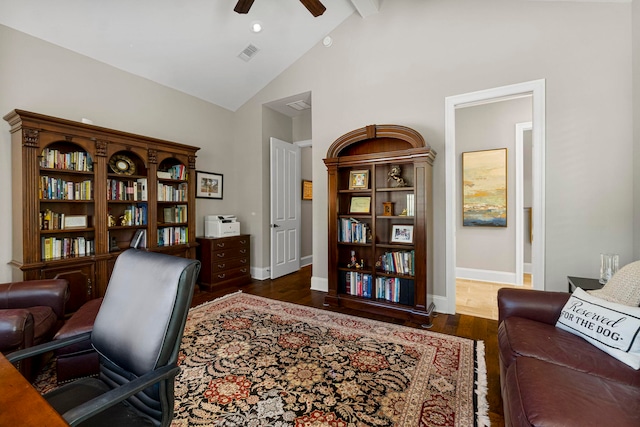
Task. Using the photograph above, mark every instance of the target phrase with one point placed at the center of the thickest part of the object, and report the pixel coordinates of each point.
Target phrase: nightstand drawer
(229, 243)
(225, 275)
(228, 264)
(240, 252)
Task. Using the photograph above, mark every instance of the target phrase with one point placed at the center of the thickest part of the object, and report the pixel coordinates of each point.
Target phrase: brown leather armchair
(30, 313)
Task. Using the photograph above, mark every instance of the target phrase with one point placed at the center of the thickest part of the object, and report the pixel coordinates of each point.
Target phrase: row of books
(76, 161)
(400, 262)
(135, 215)
(411, 205)
(169, 236)
(64, 247)
(359, 284)
(394, 289)
(175, 214)
(387, 288)
(350, 230)
(60, 189)
(170, 193)
(127, 190)
(178, 172)
(139, 239)
(50, 220)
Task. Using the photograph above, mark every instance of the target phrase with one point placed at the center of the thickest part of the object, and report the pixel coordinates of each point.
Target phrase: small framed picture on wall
(208, 185)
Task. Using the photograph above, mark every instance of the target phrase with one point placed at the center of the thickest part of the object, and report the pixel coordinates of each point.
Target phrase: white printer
(221, 226)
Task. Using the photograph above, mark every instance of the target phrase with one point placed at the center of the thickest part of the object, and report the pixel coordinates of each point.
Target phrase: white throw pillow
(613, 328)
(623, 287)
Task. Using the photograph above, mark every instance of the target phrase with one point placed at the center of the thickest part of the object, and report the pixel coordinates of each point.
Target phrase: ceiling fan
(314, 6)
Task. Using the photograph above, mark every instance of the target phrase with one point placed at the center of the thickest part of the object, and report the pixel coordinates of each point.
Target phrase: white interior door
(285, 208)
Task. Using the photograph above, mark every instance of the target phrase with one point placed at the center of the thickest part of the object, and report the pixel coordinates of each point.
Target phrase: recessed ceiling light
(256, 26)
(327, 41)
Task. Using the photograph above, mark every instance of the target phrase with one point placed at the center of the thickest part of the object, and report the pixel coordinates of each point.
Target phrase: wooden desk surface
(20, 403)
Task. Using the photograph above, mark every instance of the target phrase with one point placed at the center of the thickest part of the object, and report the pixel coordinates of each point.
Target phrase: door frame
(537, 89)
(519, 154)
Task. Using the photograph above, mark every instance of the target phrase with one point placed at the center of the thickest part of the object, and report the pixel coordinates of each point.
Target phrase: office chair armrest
(112, 397)
(45, 347)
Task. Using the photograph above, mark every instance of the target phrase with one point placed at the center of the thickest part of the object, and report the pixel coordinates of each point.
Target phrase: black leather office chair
(137, 333)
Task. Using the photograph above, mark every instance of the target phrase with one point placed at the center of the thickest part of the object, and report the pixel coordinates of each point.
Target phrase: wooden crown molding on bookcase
(400, 140)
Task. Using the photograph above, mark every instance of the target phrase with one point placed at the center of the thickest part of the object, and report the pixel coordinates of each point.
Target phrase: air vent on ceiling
(299, 105)
(248, 53)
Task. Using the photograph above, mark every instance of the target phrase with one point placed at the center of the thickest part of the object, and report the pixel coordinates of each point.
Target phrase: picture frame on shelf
(75, 221)
(360, 205)
(307, 190)
(359, 180)
(209, 185)
(402, 233)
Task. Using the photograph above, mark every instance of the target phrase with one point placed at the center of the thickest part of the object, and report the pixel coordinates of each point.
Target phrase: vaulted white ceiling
(188, 45)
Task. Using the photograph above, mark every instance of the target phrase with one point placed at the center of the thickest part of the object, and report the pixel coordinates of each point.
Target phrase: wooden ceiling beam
(243, 6)
(314, 6)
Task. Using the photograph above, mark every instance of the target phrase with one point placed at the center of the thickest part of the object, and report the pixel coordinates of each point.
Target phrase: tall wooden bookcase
(82, 193)
(380, 233)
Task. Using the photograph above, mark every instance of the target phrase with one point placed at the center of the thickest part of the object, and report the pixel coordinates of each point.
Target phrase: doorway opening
(289, 119)
(534, 90)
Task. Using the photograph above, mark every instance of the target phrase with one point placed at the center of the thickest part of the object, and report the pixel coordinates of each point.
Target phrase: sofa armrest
(541, 306)
(53, 293)
(16, 329)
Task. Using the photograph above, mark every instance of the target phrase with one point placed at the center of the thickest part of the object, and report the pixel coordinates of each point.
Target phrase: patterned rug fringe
(481, 387)
(213, 301)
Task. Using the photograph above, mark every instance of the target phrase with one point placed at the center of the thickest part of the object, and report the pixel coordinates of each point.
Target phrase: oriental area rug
(251, 361)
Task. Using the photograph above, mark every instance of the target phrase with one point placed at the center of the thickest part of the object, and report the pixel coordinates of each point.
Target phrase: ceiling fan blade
(243, 6)
(314, 6)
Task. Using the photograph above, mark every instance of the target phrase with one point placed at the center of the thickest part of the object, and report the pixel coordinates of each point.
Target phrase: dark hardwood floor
(295, 288)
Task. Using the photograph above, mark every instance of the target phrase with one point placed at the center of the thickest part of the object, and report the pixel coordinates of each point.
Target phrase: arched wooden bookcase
(380, 234)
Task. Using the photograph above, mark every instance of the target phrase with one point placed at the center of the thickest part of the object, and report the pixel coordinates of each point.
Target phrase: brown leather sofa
(80, 359)
(550, 377)
(30, 313)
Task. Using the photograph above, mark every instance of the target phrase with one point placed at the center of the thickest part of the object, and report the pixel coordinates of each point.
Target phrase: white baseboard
(319, 284)
(260, 273)
(442, 305)
(306, 260)
(486, 275)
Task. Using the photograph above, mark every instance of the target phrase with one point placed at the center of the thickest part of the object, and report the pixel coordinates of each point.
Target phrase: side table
(225, 260)
(584, 283)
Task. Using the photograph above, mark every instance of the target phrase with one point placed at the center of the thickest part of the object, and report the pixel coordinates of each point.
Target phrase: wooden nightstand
(584, 283)
(225, 260)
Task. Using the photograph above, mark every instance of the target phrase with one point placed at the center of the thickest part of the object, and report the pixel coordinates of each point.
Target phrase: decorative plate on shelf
(122, 164)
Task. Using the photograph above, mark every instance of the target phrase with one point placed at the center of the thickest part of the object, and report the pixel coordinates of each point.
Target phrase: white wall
(44, 78)
(487, 127)
(431, 50)
(636, 129)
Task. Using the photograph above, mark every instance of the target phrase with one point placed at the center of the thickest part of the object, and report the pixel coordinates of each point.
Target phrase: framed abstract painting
(484, 183)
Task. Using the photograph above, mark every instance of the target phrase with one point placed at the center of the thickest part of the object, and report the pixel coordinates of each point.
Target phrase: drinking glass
(608, 266)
